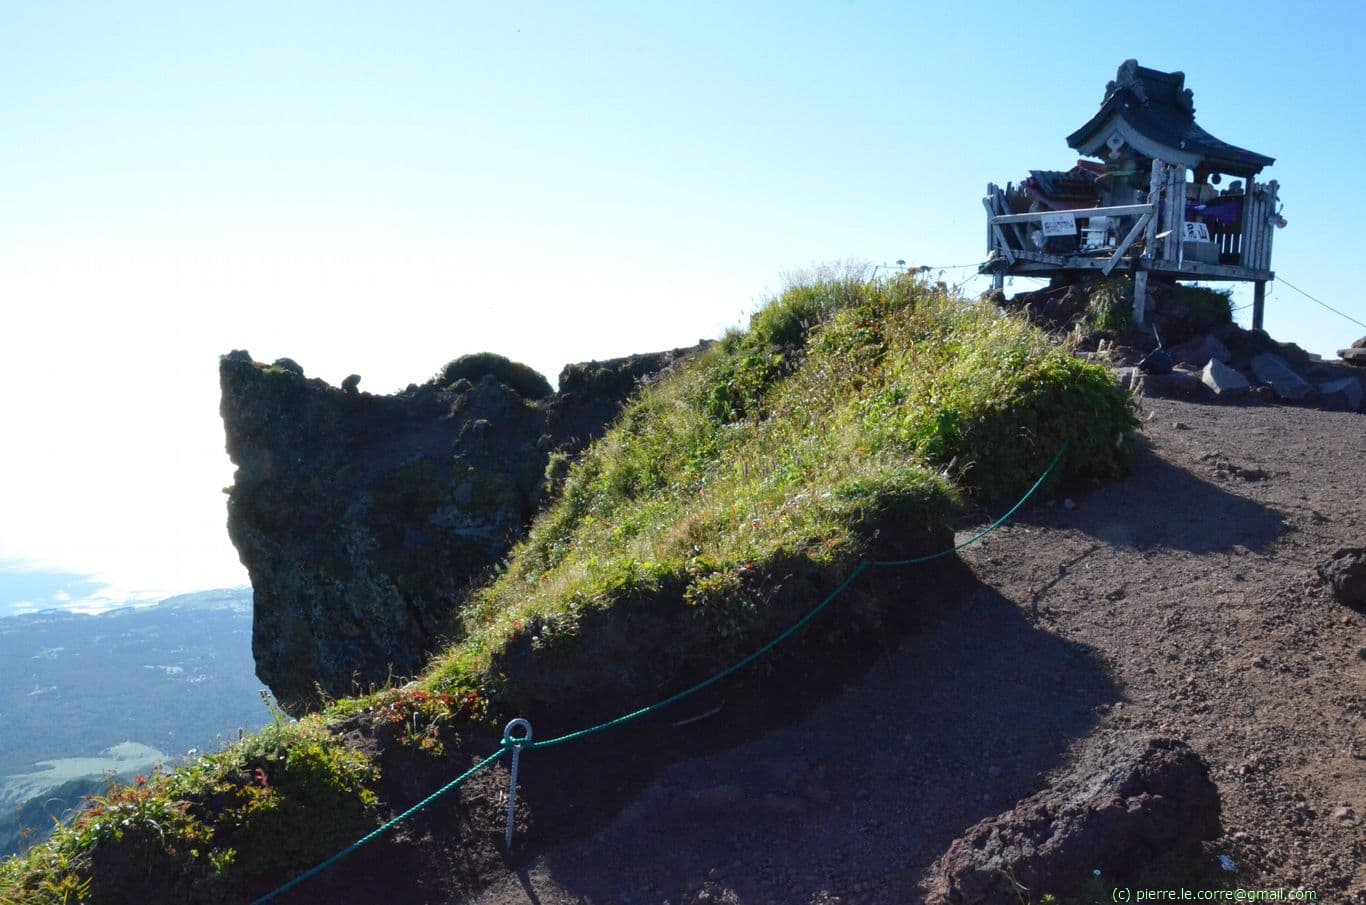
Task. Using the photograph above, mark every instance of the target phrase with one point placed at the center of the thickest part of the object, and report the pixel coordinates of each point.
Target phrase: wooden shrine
(1149, 199)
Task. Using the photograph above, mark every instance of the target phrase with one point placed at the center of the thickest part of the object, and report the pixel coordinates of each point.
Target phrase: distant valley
(83, 696)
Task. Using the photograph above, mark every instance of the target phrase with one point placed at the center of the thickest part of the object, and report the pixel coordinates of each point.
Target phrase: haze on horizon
(381, 190)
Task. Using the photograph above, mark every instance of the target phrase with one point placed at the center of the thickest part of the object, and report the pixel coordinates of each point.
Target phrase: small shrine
(1155, 195)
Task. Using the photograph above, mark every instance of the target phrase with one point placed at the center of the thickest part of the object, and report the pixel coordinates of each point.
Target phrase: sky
(380, 188)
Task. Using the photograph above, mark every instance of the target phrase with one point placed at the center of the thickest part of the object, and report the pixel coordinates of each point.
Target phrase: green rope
(792, 629)
(386, 827)
(508, 744)
(989, 528)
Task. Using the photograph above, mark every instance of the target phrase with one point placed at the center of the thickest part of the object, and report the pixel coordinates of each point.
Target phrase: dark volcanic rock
(1346, 575)
(364, 520)
(1054, 308)
(1273, 371)
(1137, 801)
(592, 392)
(1198, 352)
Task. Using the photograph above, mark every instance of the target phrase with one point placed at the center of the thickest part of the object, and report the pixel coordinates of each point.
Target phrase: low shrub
(527, 382)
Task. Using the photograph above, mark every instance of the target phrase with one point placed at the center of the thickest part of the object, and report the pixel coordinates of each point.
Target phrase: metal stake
(516, 742)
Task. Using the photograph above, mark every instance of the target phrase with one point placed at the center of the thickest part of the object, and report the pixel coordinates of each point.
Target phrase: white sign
(1059, 225)
(1196, 232)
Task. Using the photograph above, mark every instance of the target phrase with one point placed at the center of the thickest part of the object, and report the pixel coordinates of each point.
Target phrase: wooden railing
(1155, 230)
(1003, 226)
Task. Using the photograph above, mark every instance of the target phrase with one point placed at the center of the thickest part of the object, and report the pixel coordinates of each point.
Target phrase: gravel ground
(1182, 600)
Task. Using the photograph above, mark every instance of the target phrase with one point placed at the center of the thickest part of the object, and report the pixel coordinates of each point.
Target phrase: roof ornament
(1135, 79)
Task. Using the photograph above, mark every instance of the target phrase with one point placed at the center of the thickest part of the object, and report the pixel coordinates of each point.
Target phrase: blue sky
(380, 188)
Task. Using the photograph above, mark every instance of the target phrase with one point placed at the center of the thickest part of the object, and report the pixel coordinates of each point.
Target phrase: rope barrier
(1321, 304)
(384, 828)
(514, 744)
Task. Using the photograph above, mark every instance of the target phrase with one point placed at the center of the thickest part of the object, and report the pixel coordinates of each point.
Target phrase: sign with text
(1196, 232)
(1059, 225)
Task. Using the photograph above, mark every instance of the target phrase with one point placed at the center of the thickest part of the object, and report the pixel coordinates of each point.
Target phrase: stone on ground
(1345, 393)
(1138, 800)
(1223, 381)
(1198, 352)
(1288, 386)
(1346, 575)
(1177, 383)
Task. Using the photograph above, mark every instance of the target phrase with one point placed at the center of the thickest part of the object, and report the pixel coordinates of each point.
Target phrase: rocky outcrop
(365, 520)
(1356, 355)
(1345, 573)
(1132, 803)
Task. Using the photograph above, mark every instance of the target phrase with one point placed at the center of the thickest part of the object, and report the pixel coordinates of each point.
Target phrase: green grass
(851, 419)
(848, 408)
(286, 797)
(1110, 309)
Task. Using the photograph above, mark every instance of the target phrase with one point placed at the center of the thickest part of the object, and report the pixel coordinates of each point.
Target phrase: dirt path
(1182, 600)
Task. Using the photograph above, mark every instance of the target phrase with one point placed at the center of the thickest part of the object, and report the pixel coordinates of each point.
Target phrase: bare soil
(1182, 601)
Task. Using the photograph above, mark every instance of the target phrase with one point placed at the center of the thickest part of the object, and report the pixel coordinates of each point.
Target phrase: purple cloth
(1225, 211)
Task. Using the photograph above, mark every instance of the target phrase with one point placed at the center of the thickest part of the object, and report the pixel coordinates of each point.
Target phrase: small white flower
(1096, 872)
(1228, 863)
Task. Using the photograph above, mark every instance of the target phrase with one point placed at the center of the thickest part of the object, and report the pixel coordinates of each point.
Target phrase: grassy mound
(852, 420)
(524, 380)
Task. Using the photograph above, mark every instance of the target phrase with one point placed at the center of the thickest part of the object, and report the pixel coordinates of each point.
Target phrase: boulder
(1200, 351)
(1053, 307)
(1135, 801)
(1345, 573)
(1354, 356)
(1288, 386)
(1344, 394)
(1130, 378)
(1360, 344)
(1177, 383)
(1224, 382)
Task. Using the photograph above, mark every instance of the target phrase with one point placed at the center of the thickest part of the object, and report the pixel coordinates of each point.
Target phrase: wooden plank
(1176, 214)
(1003, 245)
(1198, 270)
(1141, 298)
(1139, 227)
(991, 187)
(1003, 206)
(1149, 244)
(1064, 261)
(1273, 191)
(1117, 211)
(1258, 304)
(1252, 218)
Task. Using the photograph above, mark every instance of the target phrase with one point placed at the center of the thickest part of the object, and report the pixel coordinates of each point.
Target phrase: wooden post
(1273, 189)
(1252, 218)
(991, 187)
(1176, 215)
(1258, 304)
(1149, 247)
(1140, 298)
(997, 234)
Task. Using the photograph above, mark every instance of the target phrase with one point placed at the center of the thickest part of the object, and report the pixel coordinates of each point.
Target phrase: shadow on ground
(1168, 500)
(859, 798)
